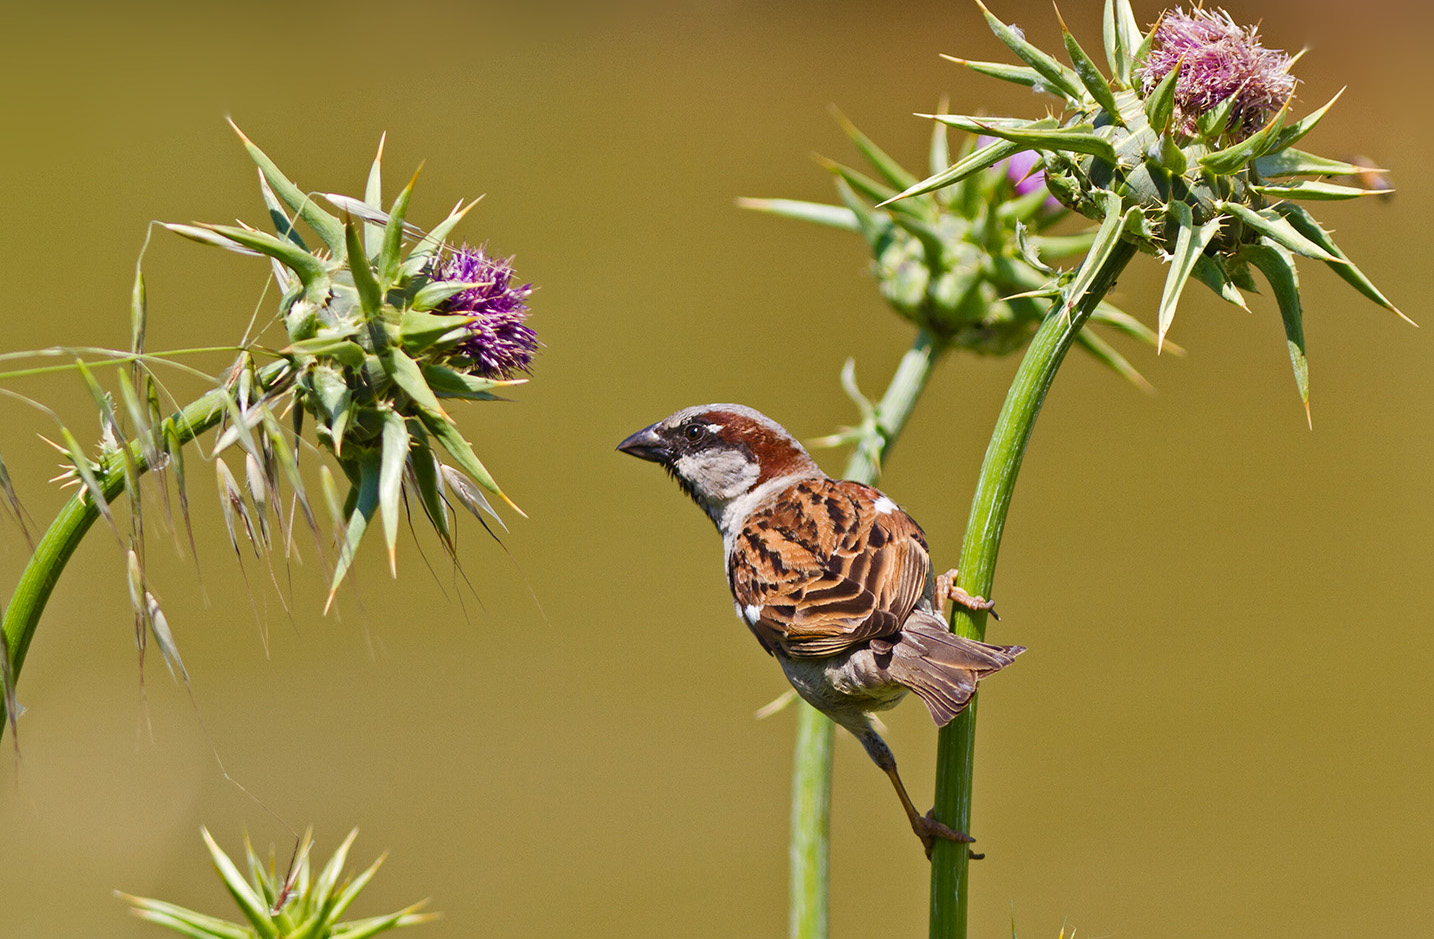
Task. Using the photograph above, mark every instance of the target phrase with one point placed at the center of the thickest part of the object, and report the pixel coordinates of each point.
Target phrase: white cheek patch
(718, 474)
(751, 613)
(884, 506)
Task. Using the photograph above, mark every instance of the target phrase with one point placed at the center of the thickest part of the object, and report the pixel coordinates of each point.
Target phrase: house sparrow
(832, 577)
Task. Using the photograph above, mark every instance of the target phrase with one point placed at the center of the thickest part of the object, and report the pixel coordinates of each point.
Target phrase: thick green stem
(957, 740)
(812, 763)
(70, 526)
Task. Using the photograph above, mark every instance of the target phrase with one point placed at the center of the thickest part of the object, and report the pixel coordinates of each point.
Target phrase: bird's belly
(843, 686)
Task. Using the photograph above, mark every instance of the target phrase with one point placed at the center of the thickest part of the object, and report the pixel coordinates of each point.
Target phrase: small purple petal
(500, 343)
(1021, 169)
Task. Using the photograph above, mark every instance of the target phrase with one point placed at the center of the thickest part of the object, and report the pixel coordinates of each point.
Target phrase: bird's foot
(928, 829)
(946, 589)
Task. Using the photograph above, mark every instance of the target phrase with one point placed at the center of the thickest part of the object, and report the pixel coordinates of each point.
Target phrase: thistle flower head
(1217, 59)
(385, 322)
(499, 343)
(1183, 149)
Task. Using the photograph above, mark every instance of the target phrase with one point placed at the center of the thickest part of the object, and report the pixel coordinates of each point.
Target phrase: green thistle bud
(282, 903)
(966, 262)
(1185, 149)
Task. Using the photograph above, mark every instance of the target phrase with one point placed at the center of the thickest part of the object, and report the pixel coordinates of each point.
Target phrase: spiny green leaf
(330, 232)
(1216, 121)
(1160, 104)
(420, 331)
(283, 225)
(1106, 238)
(1190, 242)
(1292, 134)
(1016, 74)
(1291, 162)
(309, 268)
(341, 350)
(938, 155)
(1089, 74)
(388, 258)
(449, 383)
(1211, 273)
(390, 481)
(833, 216)
(1121, 33)
(1316, 191)
(1278, 265)
(981, 159)
(890, 170)
(876, 227)
(1306, 225)
(1105, 354)
(369, 292)
(874, 191)
(169, 913)
(430, 243)
(1233, 158)
(1060, 78)
(253, 908)
(373, 195)
(363, 512)
(1271, 224)
(407, 375)
(428, 481)
(1033, 136)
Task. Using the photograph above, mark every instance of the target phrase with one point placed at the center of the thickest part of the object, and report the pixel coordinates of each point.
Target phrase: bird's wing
(827, 565)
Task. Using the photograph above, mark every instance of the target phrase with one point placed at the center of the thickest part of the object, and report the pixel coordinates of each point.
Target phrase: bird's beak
(647, 445)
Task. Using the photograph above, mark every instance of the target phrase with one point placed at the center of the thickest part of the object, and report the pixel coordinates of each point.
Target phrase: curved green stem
(70, 526)
(812, 762)
(956, 743)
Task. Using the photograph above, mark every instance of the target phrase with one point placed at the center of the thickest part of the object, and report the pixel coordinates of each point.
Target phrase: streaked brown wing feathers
(827, 571)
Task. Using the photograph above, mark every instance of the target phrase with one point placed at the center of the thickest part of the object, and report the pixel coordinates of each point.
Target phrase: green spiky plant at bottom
(382, 323)
(291, 903)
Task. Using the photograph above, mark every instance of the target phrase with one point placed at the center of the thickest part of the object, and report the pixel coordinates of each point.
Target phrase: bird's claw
(946, 589)
(928, 829)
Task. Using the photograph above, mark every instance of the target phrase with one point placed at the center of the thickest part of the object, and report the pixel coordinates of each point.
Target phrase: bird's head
(719, 453)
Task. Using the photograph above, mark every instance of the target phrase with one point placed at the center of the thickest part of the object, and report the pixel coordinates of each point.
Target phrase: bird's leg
(946, 589)
(926, 827)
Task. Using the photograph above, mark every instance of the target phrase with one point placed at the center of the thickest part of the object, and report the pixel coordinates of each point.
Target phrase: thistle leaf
(890, 170)
(330, 232)
(182, 920)
(1015, 74)
(1121, 33)
(875, 227)
(390, 481)
(1210, 272)
(874, 191)
(1316, 191)
(1269, 223)
(938, 154)
(1034, 135)
(1215, 121)
(254, 909)
(1190, 242)
(1089, 74)
(975, 162)
(1234, 157)
(833, 216)
(1292, 134)
(1106, 238)
(449, 383)
(283, 225)
(1160, 105)
(1059, 77)
(407, 375)
(420, 331)
(428, 481)
(364, 508)
(388, 258)
(309, 268)
(1291, 162)
(1106, 354)
(1278, 265)
(373, 195)
(1306, 225)
(369, 292)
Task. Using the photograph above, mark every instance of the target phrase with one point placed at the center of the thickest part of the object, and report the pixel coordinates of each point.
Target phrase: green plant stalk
(71, 525)
(957, 740)
(812, 761)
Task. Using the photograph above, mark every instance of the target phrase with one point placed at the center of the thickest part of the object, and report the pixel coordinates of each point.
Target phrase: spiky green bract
(1190, 135)
(290, 902)
(966, 260)
(374, 346)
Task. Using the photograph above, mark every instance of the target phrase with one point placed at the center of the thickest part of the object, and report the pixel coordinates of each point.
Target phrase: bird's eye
(694, 432)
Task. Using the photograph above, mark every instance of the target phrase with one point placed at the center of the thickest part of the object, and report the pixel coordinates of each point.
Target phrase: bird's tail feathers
(942, 667)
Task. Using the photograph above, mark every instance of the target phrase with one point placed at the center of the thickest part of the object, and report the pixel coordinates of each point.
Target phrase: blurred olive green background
(1223, 726)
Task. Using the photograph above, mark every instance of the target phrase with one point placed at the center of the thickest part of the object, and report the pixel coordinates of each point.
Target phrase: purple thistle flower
(1218, 59)
(500, 343)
